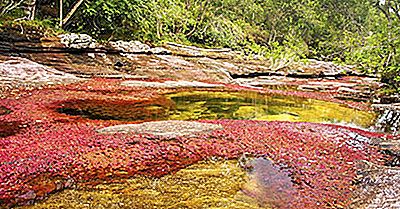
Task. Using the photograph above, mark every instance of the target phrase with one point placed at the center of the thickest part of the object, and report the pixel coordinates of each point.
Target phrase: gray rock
(130, 46)
(78, 41)
(169, 128)
(160, 50)
(389, 118)
(378, 187)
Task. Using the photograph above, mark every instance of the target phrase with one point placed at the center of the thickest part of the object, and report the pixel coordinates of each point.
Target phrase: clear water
(198, 105)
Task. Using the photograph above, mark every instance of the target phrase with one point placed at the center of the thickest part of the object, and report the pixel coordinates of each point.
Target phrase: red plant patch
(4, 110)
(319, 158)
(55, 150)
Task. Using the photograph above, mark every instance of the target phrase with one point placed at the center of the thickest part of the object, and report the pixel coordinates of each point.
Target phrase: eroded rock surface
(169, 128)
(170, 84)
(78, 41)
(389, 119)
(378, 187)
(21, 72)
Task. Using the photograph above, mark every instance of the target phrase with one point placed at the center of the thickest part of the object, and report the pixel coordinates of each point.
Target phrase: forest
(364, 33)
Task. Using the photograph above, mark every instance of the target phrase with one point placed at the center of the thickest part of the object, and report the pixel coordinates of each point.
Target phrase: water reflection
(269, 184)
(255, 106)
(117, 110)
(219, 105)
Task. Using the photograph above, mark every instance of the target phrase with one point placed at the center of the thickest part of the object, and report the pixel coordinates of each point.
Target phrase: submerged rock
(207, 184)
(163, 128)
(270, 184)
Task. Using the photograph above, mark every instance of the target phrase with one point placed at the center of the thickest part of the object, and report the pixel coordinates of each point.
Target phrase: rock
(377, 187)
(392, 98)
(317, 67)
(311, 88)
(348, 90)
(393, 106)
(78, 41)
(129, 46)
(389, 118)
(170, 84)
(160, 50)
(169, 128)
(29, 195)
(196, 51)
(16, 71)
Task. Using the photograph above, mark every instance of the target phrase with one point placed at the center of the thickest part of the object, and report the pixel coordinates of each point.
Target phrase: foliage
(364, 33)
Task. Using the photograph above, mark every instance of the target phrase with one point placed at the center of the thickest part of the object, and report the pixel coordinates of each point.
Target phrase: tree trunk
(73, 10)
(32, 10)
(61, 14)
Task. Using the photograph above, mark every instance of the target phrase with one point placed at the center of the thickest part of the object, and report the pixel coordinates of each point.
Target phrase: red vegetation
(50, 151)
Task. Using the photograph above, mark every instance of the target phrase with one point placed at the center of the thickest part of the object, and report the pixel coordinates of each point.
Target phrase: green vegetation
(364, 33)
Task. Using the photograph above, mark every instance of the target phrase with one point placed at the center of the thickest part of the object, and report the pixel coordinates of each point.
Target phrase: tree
(28, 6)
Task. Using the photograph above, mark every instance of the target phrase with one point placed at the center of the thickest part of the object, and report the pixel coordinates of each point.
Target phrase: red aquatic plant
(319, 157)
(46, 150)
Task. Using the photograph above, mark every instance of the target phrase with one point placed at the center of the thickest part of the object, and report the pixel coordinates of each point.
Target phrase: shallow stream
(241, 183)
(200, 105)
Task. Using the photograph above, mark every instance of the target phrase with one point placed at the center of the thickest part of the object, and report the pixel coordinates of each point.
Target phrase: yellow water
(254, 106)
(195, 105)
(208, 184)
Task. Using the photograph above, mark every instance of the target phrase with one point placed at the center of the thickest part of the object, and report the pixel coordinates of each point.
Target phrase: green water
(197, 105)
(254, 106)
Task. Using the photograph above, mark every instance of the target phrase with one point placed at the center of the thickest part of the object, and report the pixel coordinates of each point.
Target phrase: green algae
(255, 106)
(208, 184)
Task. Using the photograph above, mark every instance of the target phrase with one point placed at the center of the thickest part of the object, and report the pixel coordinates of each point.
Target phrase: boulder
(78, 41)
